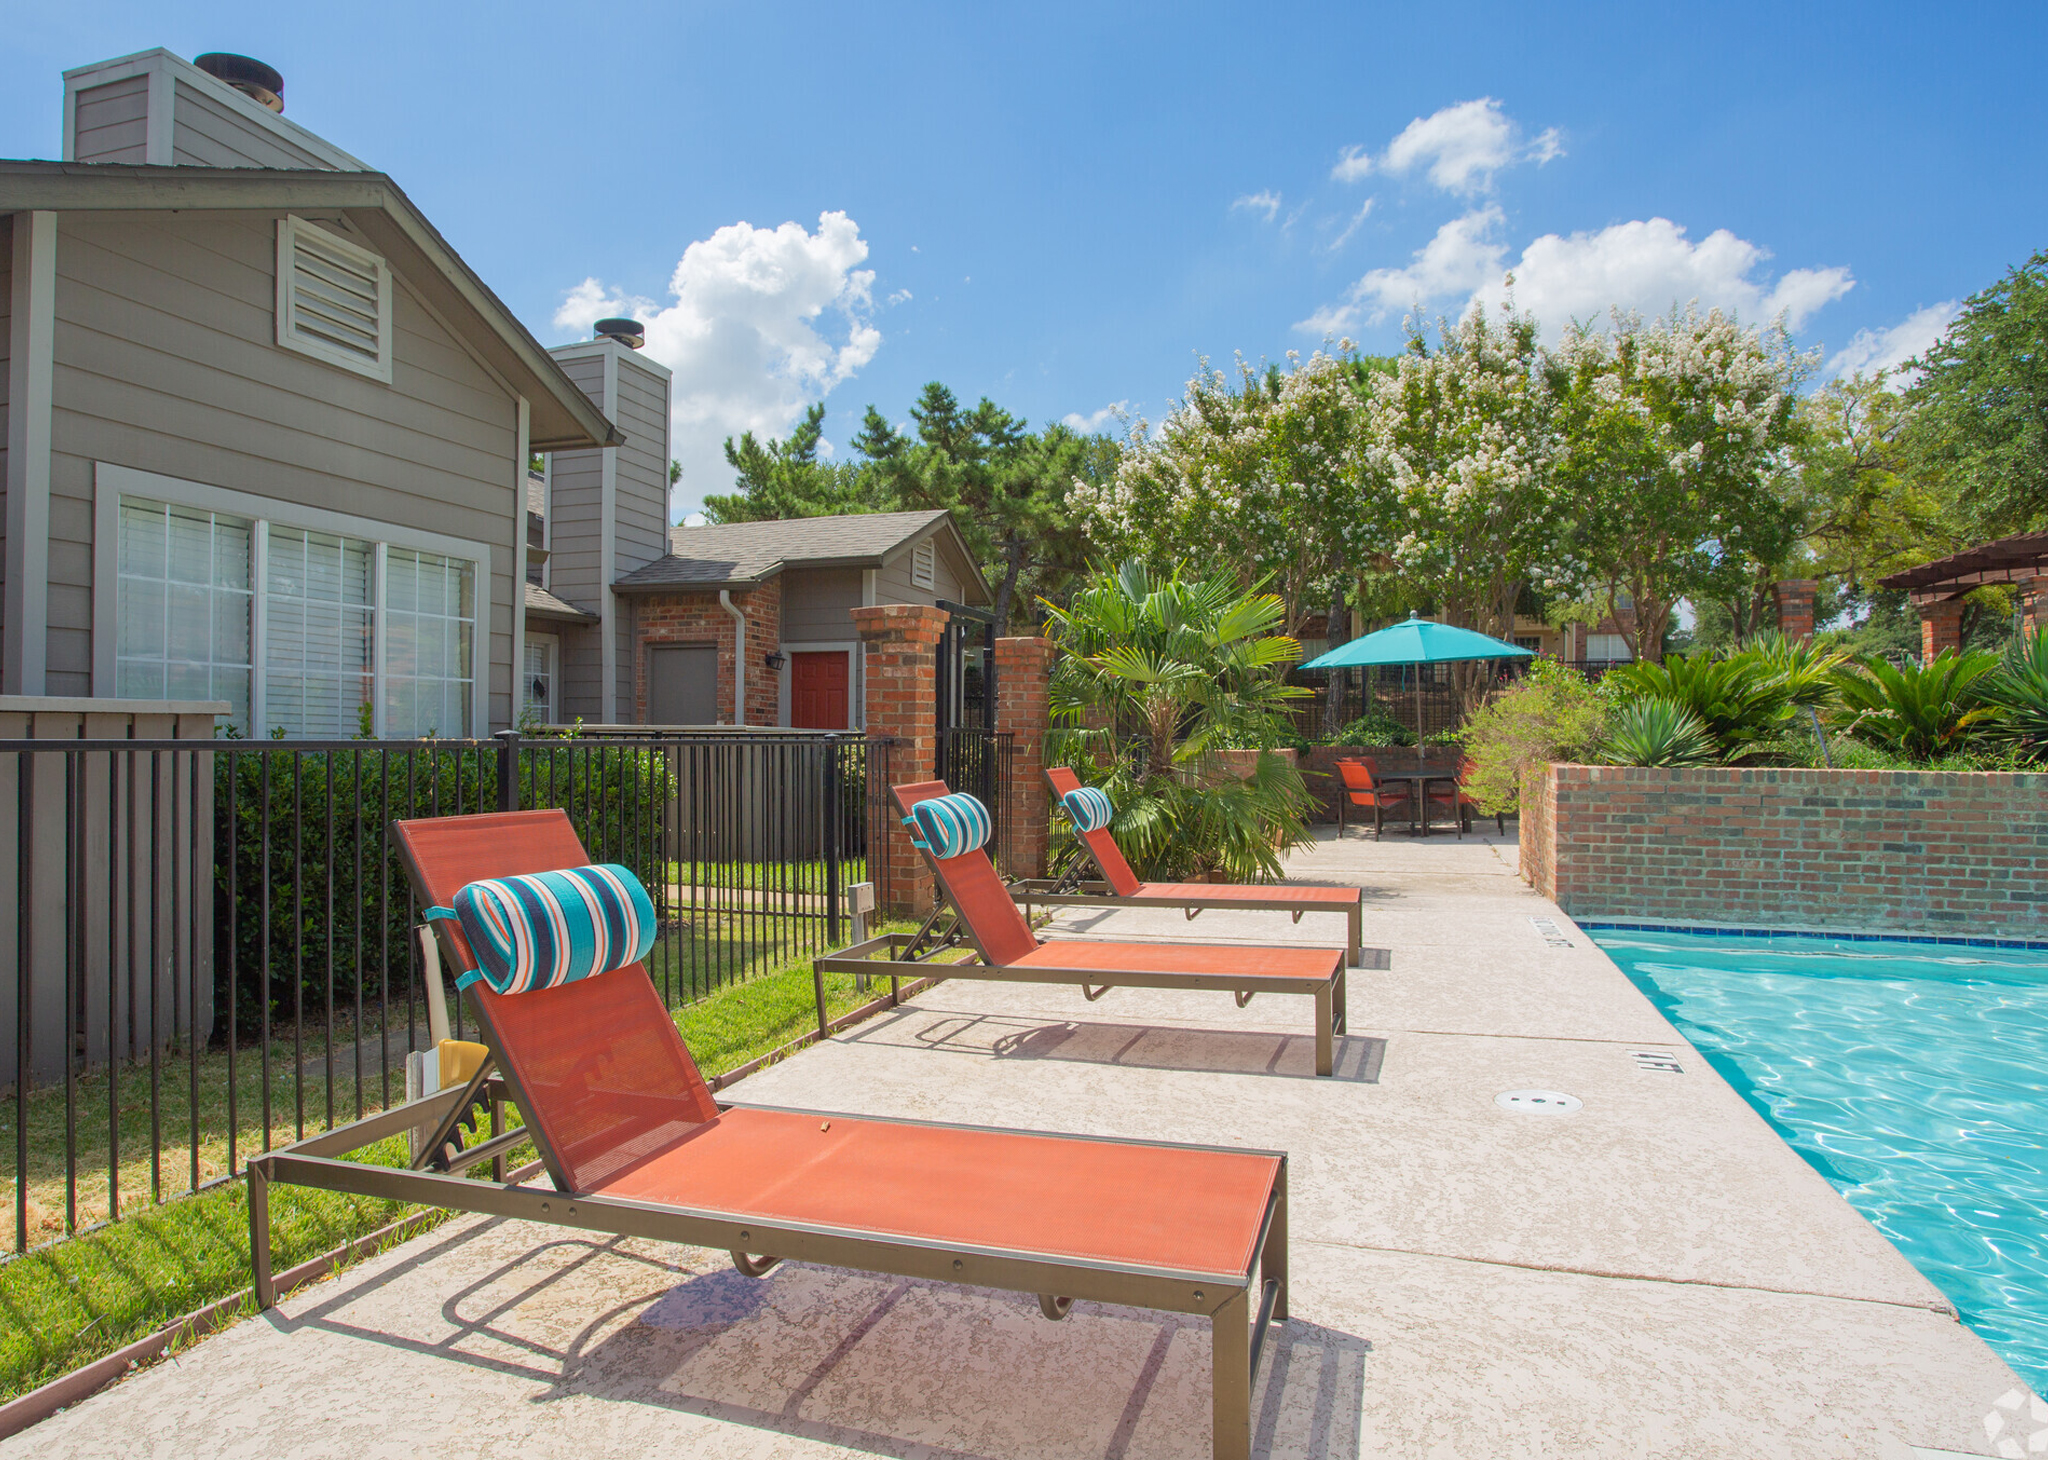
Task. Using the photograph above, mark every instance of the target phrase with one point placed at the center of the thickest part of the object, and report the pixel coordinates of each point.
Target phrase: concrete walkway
(1656, 1274)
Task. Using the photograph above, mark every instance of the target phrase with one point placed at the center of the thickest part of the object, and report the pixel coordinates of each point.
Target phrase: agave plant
(1658, 732)
(1923, 710)
(2018, 688)
(1156, 673)
(1738, 701)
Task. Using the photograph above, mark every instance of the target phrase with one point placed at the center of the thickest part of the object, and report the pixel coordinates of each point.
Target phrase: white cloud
(1352, 227)
(1094, 421)
(1888, 349)
(1459, 260)
(901, 296)
(744, 334)
(1650, 266)
(1462, 147)
(1353, 163)
(1266, 201)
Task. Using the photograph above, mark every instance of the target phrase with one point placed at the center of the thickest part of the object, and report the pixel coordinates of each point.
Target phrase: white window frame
(289, 229)
(111, 483)
(924, 564)
(553, 643)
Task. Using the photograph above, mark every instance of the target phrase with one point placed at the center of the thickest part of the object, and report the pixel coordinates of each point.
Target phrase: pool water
(1912, 1075)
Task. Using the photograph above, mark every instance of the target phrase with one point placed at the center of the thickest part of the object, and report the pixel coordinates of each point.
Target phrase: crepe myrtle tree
(1675, 434)
(1265, 477)
(1463, 434)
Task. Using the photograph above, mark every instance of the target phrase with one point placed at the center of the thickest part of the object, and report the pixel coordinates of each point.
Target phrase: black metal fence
(980, 763)
(207, 950)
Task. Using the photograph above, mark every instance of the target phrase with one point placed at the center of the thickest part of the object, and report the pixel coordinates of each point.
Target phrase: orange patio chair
(634, 1144)
(1363, 790)
(1459, 799)
(978, 911)
(1119, 885)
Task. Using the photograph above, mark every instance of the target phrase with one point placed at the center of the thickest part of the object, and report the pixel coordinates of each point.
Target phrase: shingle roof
(540, 601)
(741, 554)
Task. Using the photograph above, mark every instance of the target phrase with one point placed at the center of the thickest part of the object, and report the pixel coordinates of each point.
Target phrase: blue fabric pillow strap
(449, 915)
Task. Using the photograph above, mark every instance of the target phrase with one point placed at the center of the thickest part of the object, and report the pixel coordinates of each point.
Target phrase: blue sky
(1062, 206)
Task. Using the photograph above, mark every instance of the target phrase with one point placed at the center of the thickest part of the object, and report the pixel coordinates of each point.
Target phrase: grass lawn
(74, 1301)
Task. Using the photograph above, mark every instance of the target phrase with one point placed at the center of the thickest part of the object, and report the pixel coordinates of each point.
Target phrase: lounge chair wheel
(755, 1267)
(1054, 1308)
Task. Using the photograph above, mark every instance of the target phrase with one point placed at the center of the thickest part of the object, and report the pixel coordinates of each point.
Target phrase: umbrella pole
(1418, 717)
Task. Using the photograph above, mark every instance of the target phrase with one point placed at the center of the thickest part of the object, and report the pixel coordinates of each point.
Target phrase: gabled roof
(562, 416)
(744, 554)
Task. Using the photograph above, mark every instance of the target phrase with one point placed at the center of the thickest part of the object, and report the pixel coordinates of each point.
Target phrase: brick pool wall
(1936, 851)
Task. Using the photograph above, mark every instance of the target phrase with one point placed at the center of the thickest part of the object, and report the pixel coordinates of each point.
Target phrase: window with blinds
(333, 299)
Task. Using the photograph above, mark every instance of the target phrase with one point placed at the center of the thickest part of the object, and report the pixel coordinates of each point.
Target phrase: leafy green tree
(1157, 672)
(1671, 432)
(1981, 405)
(786, 478)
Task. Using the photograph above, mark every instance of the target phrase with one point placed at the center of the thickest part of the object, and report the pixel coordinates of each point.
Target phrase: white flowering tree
(1463, 434)
(1266, 477)
(1674, 431)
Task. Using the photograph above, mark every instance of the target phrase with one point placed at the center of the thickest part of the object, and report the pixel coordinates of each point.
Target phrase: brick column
(1941, 627)
(1023, 673)
(1795, 608)
(901, 644)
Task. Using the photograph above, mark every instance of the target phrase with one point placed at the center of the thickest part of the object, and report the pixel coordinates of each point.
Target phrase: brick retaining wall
(1942, 852)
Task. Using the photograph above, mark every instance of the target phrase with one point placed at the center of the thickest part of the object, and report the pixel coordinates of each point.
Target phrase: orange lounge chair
(1119, 886)
(635, 1145)
(985, 915)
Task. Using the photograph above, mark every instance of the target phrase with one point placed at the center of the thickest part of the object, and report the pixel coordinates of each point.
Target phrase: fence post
(508, 769)
(833, 748)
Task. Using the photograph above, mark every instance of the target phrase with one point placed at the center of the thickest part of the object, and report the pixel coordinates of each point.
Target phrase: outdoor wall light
(777, 659)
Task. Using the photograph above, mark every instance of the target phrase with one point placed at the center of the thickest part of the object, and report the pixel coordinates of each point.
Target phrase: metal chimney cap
(627, 332)
(247, 75)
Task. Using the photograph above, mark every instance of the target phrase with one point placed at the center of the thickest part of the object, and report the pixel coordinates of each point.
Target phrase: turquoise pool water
(1913, 1076)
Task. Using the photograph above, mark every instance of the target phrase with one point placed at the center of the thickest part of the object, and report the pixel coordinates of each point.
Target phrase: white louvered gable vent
(333, 299)
(924, 564)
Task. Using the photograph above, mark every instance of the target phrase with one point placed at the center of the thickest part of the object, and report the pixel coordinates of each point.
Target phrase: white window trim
(111, 483)
(552, 643)
(856, 692)
(289, 228)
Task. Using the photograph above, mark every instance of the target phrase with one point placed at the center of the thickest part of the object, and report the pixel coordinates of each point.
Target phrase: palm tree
(1156, 674)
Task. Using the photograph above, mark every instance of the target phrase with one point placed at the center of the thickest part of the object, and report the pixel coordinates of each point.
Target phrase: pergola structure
(1937, 588)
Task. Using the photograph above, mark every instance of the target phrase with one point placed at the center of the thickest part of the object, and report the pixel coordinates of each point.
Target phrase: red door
(817, 691)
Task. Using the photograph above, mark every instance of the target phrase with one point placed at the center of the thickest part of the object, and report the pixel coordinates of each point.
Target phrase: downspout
(739, 656)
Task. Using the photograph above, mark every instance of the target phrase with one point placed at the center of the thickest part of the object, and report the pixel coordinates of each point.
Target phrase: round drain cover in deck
(1538, 1102)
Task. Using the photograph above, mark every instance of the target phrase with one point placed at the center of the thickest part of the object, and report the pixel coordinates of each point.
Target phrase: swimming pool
(1912, 1075)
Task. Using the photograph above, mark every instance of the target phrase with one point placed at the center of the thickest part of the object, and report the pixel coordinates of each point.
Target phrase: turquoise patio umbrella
(1418, 641)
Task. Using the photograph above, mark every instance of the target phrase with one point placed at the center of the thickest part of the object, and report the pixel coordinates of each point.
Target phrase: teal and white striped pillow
(550, 928)
(1088, 808)
(951, 825)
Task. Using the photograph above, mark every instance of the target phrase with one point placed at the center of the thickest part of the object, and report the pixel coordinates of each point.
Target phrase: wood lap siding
(208, 134)
(113, 122)
(818, 605)
(641, 525)
(167, 362)
(6, 345)
(574, 560)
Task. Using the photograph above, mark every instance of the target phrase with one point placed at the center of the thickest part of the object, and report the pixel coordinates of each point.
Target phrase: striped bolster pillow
(1088, 807)
(550, 928)
(952, 825)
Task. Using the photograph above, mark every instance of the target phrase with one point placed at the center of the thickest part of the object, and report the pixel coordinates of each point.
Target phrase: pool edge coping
(1848, 935)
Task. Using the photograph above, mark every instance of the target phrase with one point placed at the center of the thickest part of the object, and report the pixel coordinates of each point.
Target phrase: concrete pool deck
(1656, 1274)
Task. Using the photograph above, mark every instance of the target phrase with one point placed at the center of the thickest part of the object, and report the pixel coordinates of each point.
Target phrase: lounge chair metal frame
(1074, 888)
(916, 955)
(1241, 1306)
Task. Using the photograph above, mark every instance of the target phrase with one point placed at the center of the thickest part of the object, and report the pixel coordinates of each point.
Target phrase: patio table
(1419, 796)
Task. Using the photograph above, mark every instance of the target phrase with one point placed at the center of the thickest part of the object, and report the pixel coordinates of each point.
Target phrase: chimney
(627, 332)
(258, 82)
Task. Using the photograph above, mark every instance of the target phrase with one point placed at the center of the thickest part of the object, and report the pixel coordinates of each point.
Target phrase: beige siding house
(266, 433)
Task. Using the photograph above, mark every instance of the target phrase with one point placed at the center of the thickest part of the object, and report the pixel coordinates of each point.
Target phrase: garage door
(682, 684)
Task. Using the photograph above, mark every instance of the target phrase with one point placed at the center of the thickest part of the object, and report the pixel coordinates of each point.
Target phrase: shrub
(1551, 713)
(1740, 700)
(1374, 727)
(1656, 732)
(1921, 711)
(2019, 690)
